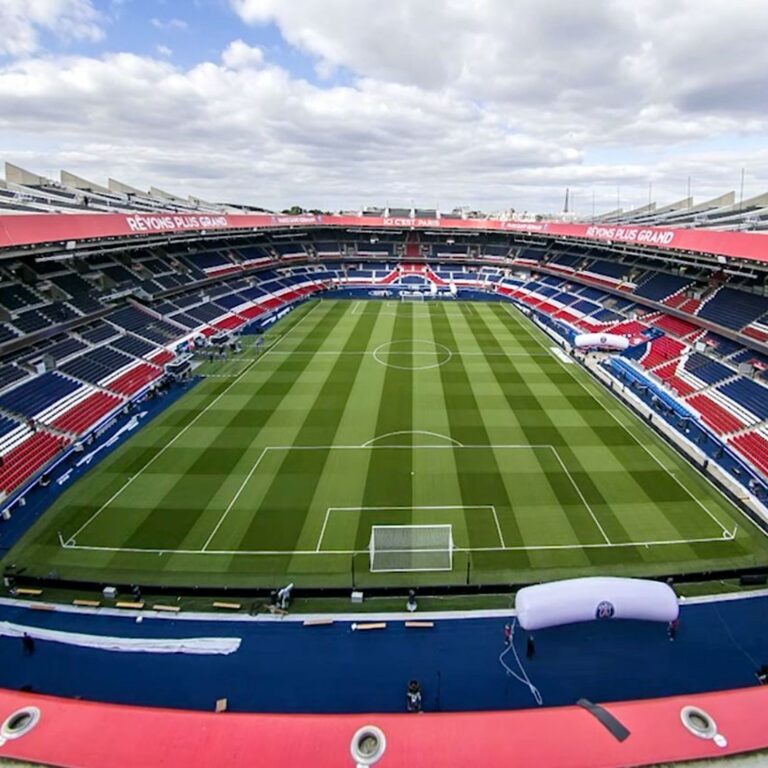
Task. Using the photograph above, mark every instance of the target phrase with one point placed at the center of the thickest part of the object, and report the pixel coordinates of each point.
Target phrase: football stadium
(378, 484)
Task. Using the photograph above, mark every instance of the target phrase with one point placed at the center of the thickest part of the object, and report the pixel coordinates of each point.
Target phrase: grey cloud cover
(488, 103)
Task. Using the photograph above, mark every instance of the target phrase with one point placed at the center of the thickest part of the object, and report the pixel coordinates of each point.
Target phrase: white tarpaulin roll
(195, 645)
(603, 340)
(572, 600)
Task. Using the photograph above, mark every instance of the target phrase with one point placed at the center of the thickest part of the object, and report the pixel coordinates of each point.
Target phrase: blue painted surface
(286, 667)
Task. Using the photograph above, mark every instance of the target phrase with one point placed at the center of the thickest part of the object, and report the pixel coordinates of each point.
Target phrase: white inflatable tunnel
(602, 340)
(588, 599)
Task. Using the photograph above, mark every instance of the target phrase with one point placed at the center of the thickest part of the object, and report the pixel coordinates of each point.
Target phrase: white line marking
(234, 499)
(581, 495)
(322, 530)
(370, 442)
(304, 552)
(414, 353)
(412, 507)
(623, 425)
(409, 507)
(179, 434)
(498, 527)
(441, 349)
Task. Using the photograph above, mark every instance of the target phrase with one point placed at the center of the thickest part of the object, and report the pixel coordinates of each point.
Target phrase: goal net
(412, 297)
(411, 548)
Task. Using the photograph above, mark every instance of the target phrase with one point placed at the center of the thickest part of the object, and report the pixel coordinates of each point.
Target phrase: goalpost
(418, 298)
(402, 548)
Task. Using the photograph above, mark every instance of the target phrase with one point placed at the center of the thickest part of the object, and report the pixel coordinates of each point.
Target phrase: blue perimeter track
(284, 666)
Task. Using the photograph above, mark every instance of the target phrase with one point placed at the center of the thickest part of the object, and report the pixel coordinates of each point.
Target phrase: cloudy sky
(342, 103)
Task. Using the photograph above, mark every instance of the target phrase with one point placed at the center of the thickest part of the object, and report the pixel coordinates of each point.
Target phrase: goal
(401, 548)
(412, 297)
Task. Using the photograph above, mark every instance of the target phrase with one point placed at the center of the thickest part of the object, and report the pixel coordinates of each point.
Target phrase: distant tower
(565, 208)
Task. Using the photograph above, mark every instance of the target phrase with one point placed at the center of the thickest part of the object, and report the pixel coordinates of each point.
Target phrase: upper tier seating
(144, 324)
(17, 296)
(80, 291)
(732, 308)
(7, 333)
(720, 345)
(59, 349)
(612, 269)
(98, 332)
(210, 260)
(31, 321)
(571, 260)
(660, 285)
(9, 374)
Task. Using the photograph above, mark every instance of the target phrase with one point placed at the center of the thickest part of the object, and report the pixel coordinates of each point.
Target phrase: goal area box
(403, 548)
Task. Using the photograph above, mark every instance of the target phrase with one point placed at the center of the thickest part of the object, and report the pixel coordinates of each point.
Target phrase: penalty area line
(309, 552)
(179, 434)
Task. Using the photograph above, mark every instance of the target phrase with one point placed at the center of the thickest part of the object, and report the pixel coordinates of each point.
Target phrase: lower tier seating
(87, 412)
(662, 349)
(754, 446)
(714, 415)
(668, 374)
(27, 458)
(133, 380)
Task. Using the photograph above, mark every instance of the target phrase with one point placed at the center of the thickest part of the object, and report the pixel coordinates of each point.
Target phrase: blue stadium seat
(32, 397)
(734, 309)
(659, 285)
(752, 396)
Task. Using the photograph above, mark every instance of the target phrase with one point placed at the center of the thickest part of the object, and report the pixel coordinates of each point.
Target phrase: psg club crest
(605, 610)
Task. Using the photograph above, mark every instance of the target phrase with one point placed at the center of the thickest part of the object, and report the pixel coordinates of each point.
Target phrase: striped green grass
(374, 413)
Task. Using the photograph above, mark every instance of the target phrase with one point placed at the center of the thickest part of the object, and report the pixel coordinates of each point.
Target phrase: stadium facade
(106, 322)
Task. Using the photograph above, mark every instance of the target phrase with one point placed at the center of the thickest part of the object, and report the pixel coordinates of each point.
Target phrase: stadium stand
(116, 346)
(754, 445)
(33, 397)
(733, 309)
(748, 394)
(659, 286)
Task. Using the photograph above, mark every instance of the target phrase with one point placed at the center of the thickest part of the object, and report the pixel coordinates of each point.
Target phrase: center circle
(420, 349)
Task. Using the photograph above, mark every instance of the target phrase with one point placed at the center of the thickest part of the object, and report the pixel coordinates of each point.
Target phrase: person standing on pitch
(507, 635)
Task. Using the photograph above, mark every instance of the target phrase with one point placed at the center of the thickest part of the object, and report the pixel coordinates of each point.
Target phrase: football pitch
(361, 414)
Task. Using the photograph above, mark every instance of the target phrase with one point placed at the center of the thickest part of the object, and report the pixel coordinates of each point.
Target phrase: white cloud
(21, 22)
(462, 102)
(165, 51)
(239, 55)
